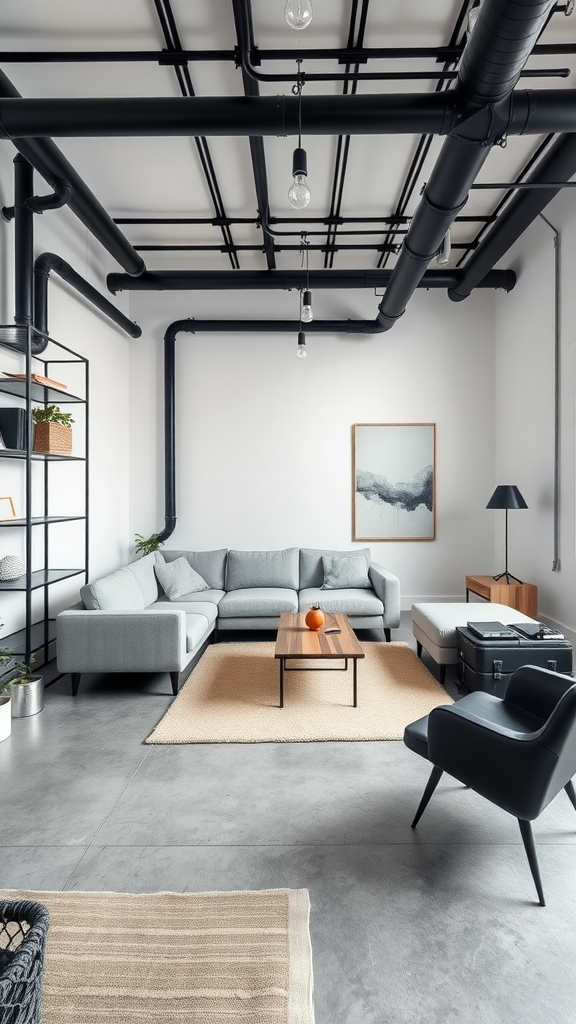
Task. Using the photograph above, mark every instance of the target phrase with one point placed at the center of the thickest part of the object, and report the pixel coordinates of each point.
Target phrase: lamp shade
(507, 496)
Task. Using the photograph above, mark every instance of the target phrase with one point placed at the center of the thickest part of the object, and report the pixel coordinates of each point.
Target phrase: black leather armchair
(518, 752)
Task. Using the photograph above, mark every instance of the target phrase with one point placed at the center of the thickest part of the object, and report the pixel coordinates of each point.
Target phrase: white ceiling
(145, 177)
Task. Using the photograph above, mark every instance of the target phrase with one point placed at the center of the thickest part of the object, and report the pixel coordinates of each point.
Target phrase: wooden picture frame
(394, 485)
(7, 510)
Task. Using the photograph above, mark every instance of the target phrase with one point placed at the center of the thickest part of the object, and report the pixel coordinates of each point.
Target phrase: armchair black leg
(569, 787)
(75, 678)
(175, 678)
(528, 838)
(435, 776)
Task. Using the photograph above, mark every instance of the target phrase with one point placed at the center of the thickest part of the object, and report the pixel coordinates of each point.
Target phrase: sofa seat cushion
(349, 601)
(248, 570)
(258, 601)
(207, 607)
(196, 627)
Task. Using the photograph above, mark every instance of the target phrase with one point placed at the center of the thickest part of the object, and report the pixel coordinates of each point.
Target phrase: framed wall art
(393, 481)
(7, 510)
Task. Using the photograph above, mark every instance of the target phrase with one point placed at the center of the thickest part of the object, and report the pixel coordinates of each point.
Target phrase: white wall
(264, 440)
(524, 386)
(75, 323)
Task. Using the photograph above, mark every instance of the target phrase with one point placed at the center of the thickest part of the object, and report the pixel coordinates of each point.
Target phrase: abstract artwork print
(393, 481)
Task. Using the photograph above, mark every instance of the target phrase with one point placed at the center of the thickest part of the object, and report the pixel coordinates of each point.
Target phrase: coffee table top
(295, 640)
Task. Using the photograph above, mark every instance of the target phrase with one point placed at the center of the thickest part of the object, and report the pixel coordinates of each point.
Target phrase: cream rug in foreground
(173, 958)
(232, 697)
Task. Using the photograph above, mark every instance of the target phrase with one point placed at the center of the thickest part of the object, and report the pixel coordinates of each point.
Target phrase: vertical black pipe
(23, 240)
(169, 433)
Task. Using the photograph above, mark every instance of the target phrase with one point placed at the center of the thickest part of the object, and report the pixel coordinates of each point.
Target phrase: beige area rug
(232, 697)
(172, 958)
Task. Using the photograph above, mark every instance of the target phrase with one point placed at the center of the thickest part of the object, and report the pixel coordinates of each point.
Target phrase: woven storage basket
(54, 438)
(23, 930)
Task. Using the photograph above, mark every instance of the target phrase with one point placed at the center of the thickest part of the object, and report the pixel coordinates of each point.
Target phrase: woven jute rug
(232, 697)
(173, 958)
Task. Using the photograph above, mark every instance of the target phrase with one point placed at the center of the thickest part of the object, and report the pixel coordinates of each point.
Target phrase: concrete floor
(435, 926)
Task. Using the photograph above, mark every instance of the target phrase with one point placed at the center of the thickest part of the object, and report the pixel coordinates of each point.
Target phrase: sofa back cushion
(120, 591)
(312, 566)
(143, 571)
(210, 564)
(278, 569)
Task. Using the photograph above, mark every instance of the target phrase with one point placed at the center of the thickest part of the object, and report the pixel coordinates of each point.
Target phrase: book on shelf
(37, 378)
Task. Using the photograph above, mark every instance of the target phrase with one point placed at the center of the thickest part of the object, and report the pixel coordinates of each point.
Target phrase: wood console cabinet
(521, 596)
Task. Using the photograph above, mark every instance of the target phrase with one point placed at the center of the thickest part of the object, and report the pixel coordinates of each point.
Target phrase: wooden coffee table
(295, 641)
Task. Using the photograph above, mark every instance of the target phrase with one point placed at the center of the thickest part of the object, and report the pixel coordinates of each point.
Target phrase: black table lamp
(507, 496)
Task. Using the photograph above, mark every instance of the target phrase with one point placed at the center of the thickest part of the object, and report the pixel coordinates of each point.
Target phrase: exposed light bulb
(307, 313)
(299, 193)
(443, 257)
(298, 13)
(301, 348)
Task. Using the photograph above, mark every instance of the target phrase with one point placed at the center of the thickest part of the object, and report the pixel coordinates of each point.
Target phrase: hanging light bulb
(307, 313)
(301, 349)
(299, 193)
(443, 255)
(298, 13)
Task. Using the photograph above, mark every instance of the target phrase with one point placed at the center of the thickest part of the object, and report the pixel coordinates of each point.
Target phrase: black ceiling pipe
(170, 430)
(559, 164)
(45, 156)
(47, 262)
(527, 112)
(505, 33)
(23, 240)
(285, 280)
(38, 204)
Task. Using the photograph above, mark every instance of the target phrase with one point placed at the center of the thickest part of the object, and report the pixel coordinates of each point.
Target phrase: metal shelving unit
(38, 634)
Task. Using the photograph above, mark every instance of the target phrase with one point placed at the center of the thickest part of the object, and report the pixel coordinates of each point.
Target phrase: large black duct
(48, 262)
(501, 42)
(45, 156)
(559, 164)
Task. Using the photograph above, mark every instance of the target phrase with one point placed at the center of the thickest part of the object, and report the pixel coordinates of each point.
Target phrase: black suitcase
(488, 664)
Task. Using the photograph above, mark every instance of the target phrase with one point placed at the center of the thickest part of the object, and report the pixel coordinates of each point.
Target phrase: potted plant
(53, 430)
(145, 545)
(5, 701)
(26, 689)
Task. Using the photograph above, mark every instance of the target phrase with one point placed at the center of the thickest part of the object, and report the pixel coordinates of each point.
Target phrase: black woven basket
(23, 930)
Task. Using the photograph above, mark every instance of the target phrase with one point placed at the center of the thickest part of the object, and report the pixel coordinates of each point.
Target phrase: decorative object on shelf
(37, 378)
(13, 427)
(146, 545)
(506, 496)
(394, 487)
(11, 567)
(7, 510)
(53, 432)
(315, 617)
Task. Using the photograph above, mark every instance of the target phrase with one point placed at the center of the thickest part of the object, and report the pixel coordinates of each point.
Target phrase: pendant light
(298, 13)
(299, 193)
(306, 311)
(443, 255)
(301, 348)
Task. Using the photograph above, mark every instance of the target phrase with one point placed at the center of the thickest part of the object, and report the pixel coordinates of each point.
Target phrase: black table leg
(355, 660)
(281, 682)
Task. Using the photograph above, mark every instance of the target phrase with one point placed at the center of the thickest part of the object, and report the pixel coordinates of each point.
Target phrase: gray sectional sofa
(157, 614)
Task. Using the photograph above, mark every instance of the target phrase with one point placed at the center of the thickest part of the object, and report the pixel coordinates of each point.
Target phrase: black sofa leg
(418, 648)
(435, 776)
(569, 787)
(528, 838)
(442, 674)
(75, 678)
(175, 679)
(388, 635)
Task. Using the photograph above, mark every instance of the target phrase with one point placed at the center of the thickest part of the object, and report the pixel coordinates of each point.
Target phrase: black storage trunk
(488, 664)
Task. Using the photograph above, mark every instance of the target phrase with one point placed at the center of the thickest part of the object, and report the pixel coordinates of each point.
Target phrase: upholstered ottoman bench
(434, 626)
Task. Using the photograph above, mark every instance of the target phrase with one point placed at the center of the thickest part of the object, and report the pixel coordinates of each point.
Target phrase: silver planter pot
(27, 698)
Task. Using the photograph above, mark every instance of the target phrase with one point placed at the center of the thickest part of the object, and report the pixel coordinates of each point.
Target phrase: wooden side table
(521, 596)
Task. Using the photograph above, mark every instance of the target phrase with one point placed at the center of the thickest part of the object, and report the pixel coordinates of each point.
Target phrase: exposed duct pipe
(559, 164)
(23, 240)
(503, 38)
(285, 280)
(525, 113)
(45, 156)
(48, 262)
(170, 428)
(38, 204)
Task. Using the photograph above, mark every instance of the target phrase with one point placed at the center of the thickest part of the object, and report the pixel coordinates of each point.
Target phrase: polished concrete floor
(432, 926)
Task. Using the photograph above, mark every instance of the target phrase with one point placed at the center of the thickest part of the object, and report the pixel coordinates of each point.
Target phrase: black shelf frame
(41, 353)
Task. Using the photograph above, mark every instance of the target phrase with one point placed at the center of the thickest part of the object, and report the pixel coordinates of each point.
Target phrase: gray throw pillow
(343, 572)
(178, 578)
